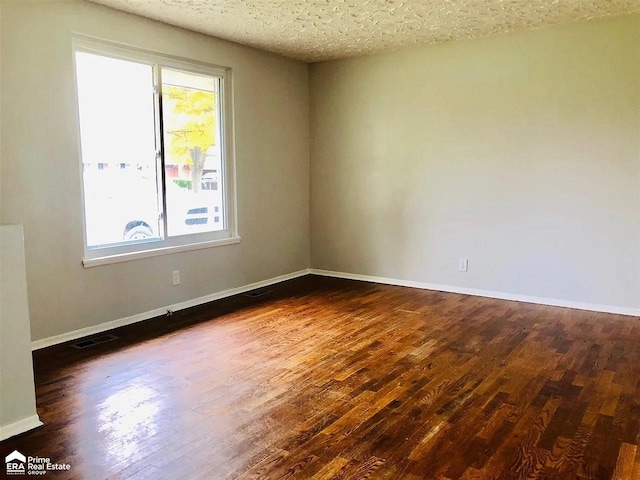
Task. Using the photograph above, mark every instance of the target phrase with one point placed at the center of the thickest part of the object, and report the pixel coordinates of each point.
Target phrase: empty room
(329, 239)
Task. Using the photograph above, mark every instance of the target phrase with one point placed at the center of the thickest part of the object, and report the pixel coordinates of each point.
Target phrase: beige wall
(41, 174)
(519, 152)
(17, 390)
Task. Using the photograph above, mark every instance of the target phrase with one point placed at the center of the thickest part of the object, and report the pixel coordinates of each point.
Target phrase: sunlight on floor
(128, 418)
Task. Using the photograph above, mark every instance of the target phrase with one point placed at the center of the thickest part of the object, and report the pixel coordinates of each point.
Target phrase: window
(156, 156)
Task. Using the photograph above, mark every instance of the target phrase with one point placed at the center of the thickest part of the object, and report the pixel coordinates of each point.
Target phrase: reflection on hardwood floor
(337, 379)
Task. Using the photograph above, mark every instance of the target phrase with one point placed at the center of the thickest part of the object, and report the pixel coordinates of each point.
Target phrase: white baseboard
(103, 327)
(19, 427)
(635, 312)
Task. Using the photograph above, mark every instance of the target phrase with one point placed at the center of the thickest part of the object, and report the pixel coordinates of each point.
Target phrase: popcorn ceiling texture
(316, 30)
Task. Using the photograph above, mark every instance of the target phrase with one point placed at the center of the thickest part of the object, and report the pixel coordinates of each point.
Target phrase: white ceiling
(316, 30)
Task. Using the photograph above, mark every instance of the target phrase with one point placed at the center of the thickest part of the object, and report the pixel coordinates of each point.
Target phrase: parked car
(210, 181)
(124, 207)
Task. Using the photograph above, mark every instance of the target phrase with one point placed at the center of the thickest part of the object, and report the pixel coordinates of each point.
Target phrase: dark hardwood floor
(336, 379)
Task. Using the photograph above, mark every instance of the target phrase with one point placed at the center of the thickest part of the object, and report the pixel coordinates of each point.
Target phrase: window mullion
(160, 164)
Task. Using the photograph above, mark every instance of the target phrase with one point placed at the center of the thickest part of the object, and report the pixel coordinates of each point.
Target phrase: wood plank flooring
(337, 379)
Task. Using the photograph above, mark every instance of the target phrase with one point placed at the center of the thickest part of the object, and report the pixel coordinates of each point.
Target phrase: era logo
(15, 462)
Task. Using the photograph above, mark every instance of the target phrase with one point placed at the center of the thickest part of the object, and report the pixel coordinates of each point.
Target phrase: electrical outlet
(463, 264)
(176, 277)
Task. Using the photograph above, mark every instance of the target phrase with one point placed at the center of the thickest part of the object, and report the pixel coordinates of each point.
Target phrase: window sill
(126, 257)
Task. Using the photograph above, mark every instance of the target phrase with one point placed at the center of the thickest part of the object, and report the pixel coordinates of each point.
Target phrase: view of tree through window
(146, 180)
(192, 152)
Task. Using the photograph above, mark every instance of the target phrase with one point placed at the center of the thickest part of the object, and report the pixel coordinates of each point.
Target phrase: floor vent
(258, 293)
(90, 342)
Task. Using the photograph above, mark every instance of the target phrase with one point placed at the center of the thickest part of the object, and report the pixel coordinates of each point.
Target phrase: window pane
(116, 106)
(193, 167)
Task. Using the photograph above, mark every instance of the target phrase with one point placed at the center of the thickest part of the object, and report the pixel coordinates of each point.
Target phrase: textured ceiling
(315, 30)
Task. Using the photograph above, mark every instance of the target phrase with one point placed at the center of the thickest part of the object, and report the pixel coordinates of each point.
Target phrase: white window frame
(229, 235)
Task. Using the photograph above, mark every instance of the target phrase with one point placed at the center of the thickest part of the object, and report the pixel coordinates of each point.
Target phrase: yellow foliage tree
(189, 122)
